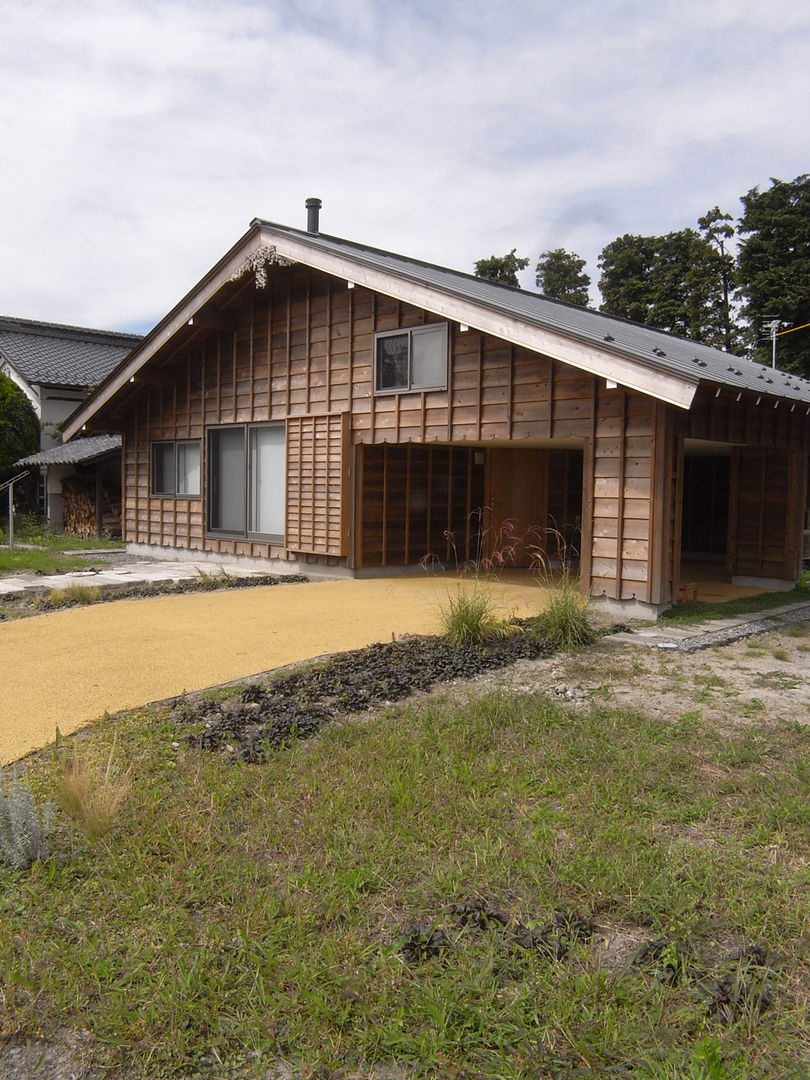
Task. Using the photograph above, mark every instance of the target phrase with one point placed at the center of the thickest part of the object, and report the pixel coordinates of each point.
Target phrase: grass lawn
(44, 550)
(498, 888)
(695, 611)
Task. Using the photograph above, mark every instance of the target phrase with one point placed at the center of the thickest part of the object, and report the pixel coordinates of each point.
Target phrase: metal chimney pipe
(313, 209)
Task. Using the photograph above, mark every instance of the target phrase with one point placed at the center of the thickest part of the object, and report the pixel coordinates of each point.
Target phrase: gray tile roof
(62, 355)
(655, 348)
(75, 451)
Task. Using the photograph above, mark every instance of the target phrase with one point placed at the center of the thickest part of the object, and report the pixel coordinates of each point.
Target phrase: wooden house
(321, 403)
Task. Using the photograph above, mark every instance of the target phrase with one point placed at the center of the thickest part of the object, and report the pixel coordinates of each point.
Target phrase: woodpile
(79, 508)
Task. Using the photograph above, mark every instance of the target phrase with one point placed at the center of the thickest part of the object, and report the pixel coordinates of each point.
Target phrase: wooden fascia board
(609, 365)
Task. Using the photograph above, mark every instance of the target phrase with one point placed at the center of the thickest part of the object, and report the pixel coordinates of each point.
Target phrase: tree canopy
(502, 269)
(689, 282)
(773, 267)
(673, 282)
(560, 275)
(19, 429)
(19, 437)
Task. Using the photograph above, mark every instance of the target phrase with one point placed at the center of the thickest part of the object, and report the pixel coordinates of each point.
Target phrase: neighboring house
(319, 402)
(57, 367)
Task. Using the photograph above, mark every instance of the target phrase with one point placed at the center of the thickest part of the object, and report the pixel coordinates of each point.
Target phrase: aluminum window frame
(212, 484)
(160, 445)
(437, 329)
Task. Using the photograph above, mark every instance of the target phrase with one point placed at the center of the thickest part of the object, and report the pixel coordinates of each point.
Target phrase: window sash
(176, 469)
(188, 467)
(163, 468)
(412, 359)
(247, 480)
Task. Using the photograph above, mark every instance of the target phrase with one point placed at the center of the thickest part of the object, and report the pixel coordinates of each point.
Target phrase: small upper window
(413, 359)
(176, 468)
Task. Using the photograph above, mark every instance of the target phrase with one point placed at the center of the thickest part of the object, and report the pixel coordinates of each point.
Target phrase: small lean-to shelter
(316, 402)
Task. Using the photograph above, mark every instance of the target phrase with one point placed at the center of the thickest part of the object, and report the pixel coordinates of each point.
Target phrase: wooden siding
(621, 509)
(318, 493)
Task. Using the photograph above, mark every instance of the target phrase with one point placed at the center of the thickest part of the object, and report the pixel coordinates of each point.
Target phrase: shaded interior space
(453, 506)
(741, 512)
(705, 573)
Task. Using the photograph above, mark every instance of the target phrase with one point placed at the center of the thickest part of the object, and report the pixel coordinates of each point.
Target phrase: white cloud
(142, 136)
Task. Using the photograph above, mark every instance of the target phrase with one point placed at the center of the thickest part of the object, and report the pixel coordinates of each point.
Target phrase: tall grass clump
(470, 618)
(24, 838)
(565, 621)
(91, 793)
(81, 594)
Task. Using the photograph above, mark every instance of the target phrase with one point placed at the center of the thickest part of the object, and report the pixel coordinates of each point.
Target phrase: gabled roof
(638, 357)
(47, 353)
(75, 452)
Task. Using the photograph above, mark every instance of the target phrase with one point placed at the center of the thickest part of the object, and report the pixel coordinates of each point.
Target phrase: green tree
(560, 275)
(673, 282)
(717, 230)
(19, 437)
(626, 265)
(502, 269)
(773, 267)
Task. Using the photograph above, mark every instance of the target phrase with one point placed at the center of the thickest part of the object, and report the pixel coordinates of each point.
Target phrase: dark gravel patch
(20, 606)
(294, 706)
(425, 939)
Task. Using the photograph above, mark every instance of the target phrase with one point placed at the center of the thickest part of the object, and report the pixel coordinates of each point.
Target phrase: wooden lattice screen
(317, 483)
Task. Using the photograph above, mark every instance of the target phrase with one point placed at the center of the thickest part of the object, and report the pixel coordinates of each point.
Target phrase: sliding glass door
(246, 480)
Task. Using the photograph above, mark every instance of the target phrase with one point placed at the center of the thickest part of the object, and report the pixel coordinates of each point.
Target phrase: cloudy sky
(140, 137)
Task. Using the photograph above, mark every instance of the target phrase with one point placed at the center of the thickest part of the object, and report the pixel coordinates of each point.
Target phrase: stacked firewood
(79, 508)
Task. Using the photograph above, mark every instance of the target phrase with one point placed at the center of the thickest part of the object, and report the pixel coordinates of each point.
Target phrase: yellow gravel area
(66, 669)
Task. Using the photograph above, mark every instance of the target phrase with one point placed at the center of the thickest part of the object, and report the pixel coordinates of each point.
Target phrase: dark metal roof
(62, 355)
(76, 451)
(655, 348)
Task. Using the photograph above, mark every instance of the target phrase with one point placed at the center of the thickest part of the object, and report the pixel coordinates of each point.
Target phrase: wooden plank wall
(303, 346)
(768, 509)
(621, 512)
(317, 462)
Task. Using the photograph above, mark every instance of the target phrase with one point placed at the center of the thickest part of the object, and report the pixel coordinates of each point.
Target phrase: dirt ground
(762, 677)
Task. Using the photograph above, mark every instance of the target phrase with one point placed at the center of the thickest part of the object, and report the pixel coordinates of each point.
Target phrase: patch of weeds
(220, 579)
(744, 988)
(423, 941)
(751, 708)
(671, 961)
(797, 630)
(780, 654)
(553, 939)
(709, 682)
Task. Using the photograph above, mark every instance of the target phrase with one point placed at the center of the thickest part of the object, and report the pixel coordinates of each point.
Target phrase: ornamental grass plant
(92, 793)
